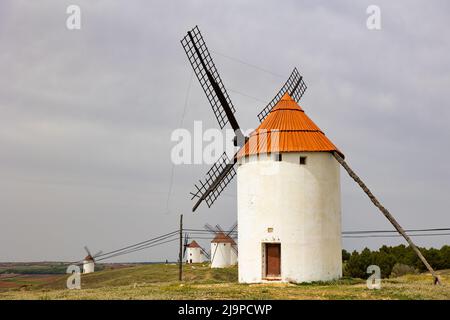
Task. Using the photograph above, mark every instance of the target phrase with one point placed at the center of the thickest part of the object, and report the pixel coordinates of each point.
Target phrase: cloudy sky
(86, 115)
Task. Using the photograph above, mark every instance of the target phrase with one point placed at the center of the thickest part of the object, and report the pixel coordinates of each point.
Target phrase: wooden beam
(387, 214)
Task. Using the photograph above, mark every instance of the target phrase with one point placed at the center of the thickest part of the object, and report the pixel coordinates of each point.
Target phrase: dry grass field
(159, 281)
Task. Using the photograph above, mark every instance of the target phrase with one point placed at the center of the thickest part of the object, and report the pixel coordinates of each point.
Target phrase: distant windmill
(193, 252)
(223, 246)
(289, 210)
(89, 261)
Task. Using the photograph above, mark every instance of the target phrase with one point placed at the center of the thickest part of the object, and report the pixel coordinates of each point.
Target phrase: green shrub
(401, 269)
(387, 257)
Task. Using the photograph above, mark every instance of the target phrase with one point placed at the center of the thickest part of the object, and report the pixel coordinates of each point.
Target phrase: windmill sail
(90, 255)
(232, 229)
(209, 78)
(222, 172)
(219, 228)
(87, 251)
(209, 228)
(206, 254)
(217, 178)
(186, 241)
(294, 86)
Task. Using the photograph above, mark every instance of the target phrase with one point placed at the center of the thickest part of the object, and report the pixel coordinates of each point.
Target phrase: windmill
(302, 142)
(223, 171)
(193, 252)
(89, 260)
(223, 246)
(232, 233)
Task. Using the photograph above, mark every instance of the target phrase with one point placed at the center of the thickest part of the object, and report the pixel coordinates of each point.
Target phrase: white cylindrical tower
(289, 209)
(221, 251)
(88, 264)
(194, 253)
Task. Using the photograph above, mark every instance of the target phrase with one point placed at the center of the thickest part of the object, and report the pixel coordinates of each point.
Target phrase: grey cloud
(86, 116)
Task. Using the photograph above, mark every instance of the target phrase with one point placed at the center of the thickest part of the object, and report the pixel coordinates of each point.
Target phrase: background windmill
(232, 233)
(223, 171)
(89, 260)
(193, 252)
(223, 246)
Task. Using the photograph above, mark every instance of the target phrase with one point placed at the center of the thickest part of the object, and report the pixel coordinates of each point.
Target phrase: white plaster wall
(88, 266)
(194, 254)
(302, 205)
(220, 255)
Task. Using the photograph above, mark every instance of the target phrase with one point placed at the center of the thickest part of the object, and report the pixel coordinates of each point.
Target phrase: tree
(345, 255)
(355, 264)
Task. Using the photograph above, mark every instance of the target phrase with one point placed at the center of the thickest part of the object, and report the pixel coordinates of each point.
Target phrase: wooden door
(273, 260)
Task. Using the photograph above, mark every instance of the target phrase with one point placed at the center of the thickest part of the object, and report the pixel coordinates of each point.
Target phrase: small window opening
(278, 157)
(302, 160)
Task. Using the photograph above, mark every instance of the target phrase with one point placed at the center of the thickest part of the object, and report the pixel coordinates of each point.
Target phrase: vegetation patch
(160, 281)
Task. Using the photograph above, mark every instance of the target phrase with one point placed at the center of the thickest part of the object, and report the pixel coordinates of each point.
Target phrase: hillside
(200, 282)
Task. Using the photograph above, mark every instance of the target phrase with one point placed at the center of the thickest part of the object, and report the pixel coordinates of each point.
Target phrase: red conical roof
(223, 238)
(193, 244)
(287, 129)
